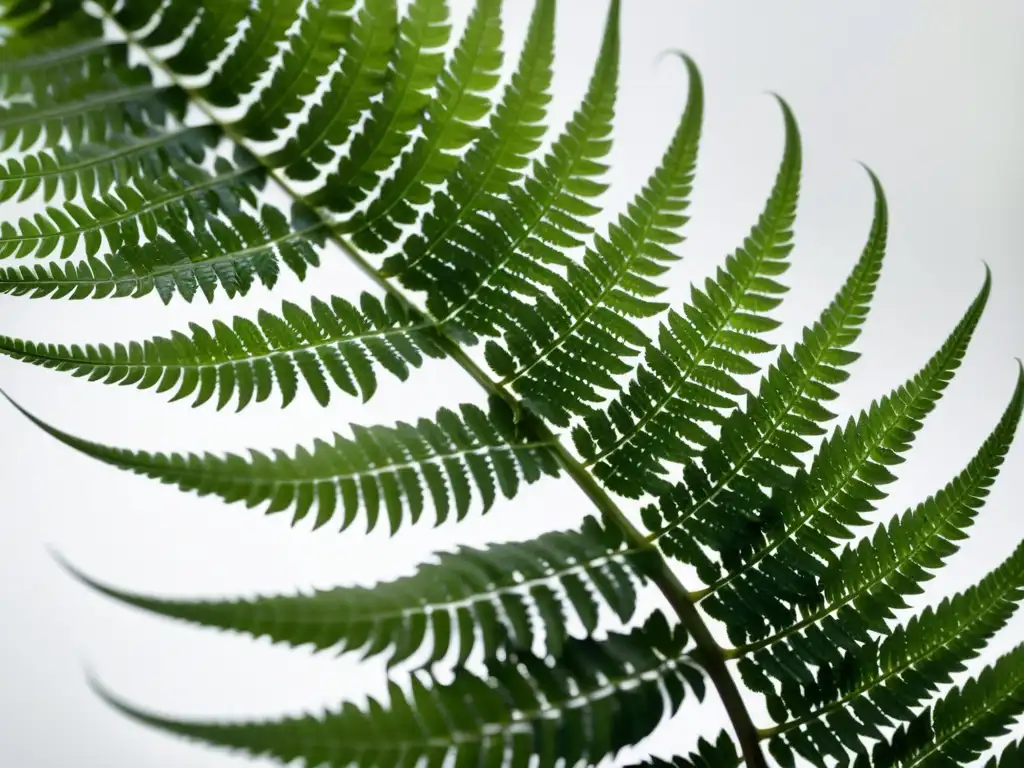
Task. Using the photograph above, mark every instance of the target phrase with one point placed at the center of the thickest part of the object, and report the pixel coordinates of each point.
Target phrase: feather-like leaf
(688, 378)
(332, 345)
(606, 695)
(389, 470)
(497, 597)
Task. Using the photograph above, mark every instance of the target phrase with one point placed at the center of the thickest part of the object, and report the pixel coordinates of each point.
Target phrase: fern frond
(591, 330)
(229, 253)
(250, 60)
(123, 216)
(869, 581)
(363, 66)
(884, 682)
(721, 754)
(803, 522)
(960, 727)
(415, 67)
(466, 598)
(91, 169)
(758, 443)
(448, 127)
(308, 55)
(117, 102)
(547, 212)
(378, 469)
(453, 235)
(73, 50)
(689, 376)
(605, 695)
(332, 344)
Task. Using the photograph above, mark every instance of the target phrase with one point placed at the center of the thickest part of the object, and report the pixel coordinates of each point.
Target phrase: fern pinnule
(760, 443)
(961, 725)
(230, 253)
(309, 54)
(591, 330)
(885, 682)
(454, 235)
(88, 168)
(364, 60)
(862, 590)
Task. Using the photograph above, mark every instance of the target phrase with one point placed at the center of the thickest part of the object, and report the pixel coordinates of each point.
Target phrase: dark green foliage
(689, 381)
(497, 590)
(394, 470)
(180, 148)
(231, 253)
(523, 706)
(721, 754)
(333, 344)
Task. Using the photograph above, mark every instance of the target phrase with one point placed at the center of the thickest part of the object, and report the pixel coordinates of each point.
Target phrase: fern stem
(708, 653)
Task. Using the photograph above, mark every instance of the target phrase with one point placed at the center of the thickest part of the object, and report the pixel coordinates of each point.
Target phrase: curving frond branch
(845, 479)
(379, 469)
(496, 598)
(689, 376)
(332, 345)
(616, 691)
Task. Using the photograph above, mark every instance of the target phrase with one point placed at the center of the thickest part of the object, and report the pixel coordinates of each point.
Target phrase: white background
(930, 94)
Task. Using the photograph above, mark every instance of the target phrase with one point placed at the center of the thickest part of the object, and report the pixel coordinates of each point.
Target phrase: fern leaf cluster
(157, 139)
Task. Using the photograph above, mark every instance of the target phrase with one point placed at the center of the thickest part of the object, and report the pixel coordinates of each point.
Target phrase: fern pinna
(148, 131)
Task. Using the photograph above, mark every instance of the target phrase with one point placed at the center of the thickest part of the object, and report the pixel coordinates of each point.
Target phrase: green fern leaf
(962, 725)
(547, 212)
(208, 38)
(308, 55)
(379, 469)
(66, 49)
(1011, 757)
(335, 338)
(842, 484)
(448, 127)
(759, 443)
(721, 754)
(418, 60)
(89, 168)
(330, 123)
(124, 216)
(884, 682)
(121, 101)
(566, 715)
(862, 589)
(689, 376)
(332, 343)
(455, 231)
(230, 253)
(587, 339)
(250, 59)
(464, 599)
